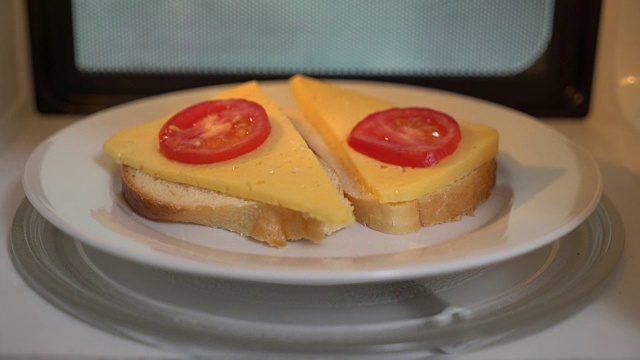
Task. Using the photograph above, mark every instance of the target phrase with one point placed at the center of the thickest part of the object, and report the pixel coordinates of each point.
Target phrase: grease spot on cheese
(308, 190)
(335, 111)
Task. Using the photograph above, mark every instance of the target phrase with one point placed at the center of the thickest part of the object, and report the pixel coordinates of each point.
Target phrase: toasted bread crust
(162, 200)
(450, 203)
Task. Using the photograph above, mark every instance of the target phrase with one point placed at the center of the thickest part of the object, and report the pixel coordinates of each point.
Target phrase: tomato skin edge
(201, 159)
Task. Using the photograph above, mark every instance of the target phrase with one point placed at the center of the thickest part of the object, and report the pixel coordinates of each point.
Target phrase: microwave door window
(330, 37)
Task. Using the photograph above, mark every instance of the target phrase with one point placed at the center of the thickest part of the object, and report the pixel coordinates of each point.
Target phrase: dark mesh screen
(328, 37)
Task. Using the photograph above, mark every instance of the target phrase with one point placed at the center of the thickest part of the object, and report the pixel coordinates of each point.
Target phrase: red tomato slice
(415, 137)
(214, 131)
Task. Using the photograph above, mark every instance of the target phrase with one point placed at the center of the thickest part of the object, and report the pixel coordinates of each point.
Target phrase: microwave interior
(536, 56)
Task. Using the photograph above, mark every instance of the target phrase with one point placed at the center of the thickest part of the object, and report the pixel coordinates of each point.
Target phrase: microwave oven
(57, 66)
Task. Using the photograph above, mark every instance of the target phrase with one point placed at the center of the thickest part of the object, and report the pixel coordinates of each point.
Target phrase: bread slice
(163, 200)
(448, 203)
(277, 192)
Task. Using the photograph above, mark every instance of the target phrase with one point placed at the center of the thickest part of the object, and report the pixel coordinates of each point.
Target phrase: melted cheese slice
(335, 111)
(282, 171)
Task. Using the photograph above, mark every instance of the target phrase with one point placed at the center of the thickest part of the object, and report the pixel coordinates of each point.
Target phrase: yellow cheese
(282, 171)
(335, 111)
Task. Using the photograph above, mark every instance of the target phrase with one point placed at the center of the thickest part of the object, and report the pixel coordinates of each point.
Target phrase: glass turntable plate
(207, 316)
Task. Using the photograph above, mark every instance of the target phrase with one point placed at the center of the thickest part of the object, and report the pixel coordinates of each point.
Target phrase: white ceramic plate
(546, 186)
